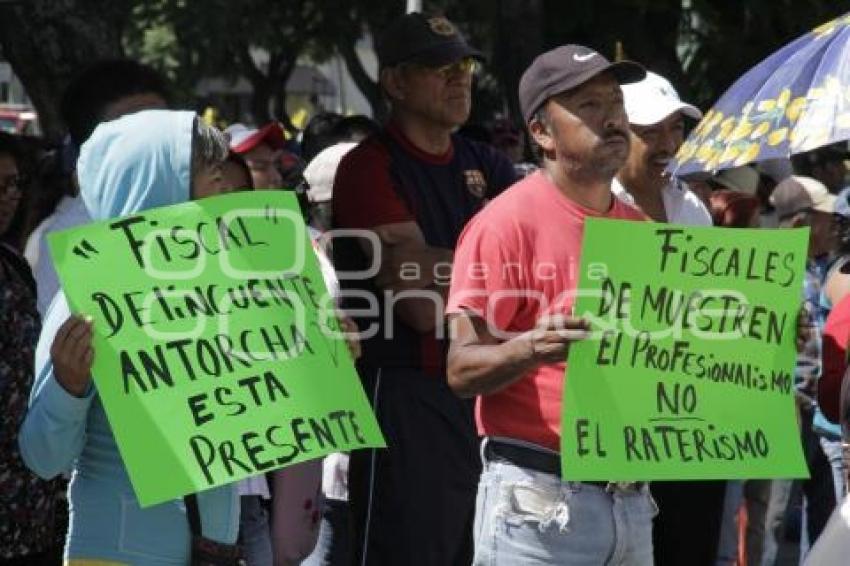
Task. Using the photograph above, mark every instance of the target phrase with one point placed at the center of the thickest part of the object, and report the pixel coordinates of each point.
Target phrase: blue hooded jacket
(137, 162)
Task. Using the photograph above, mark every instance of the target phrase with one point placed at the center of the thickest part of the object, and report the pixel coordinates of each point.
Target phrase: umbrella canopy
(794, 101)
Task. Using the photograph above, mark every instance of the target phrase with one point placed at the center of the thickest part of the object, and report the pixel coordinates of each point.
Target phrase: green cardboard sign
(217, 356)
(690, 374)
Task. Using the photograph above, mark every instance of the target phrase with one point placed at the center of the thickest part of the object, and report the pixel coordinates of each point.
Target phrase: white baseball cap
(653, 99)
(321, 170)
(798, 193)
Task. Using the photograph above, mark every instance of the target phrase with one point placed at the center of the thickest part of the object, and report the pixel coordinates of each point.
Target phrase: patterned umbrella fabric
(794, 101)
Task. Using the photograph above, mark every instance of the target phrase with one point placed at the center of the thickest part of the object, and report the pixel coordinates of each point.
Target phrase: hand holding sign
(350, 331)
(550, 340)
(72, 355)
(805, 328)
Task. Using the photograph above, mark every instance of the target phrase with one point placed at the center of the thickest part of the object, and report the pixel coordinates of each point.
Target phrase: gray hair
(209, 146)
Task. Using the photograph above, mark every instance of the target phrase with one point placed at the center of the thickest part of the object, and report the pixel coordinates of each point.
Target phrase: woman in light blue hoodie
(140, 161)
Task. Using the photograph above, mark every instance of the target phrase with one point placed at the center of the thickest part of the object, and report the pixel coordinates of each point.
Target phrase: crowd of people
(425, 204)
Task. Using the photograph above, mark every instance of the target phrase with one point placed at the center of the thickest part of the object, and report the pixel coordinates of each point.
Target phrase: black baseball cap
(425, 40)
(565, 68)
(829, 154)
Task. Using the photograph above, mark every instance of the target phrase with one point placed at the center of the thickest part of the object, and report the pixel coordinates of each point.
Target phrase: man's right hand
(72, 355)
(550, 339)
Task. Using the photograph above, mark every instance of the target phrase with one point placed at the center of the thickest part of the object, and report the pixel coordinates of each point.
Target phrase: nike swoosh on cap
(583, 58)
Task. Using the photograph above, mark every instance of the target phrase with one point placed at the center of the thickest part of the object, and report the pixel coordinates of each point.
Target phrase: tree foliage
(701, 45)
(725, 39)
(256, 39)
(48, 41)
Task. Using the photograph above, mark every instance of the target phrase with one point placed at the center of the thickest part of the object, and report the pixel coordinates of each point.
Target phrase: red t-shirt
(363, 193)
(516, 261)
(836, 333)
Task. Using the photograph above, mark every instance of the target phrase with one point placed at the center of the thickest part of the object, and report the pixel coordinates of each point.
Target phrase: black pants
(413, 503)
(687, 528)
(52, 557)
(819, 489)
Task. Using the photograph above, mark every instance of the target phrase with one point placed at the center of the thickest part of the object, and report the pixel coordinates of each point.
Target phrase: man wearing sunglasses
(409, 190)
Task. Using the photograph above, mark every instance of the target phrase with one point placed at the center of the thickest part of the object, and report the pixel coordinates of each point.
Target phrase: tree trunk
(260, 99)
(659, 20)
(48, 41)
(519, 41)
(281, 114)
(364, 82)
(278, 81)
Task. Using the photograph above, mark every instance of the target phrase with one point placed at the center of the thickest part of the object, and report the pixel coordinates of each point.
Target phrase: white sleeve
(328, 271)
(694, 210)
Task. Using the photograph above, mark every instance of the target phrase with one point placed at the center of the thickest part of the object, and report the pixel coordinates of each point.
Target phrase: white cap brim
(647, 112)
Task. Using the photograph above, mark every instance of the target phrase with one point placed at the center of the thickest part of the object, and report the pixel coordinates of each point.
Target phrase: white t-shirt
(680, 203)
(70, 212)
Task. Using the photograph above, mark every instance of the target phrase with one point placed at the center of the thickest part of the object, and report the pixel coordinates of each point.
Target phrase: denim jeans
(832, 451)
(756, 495)
(528, 517)
(254, 533)
(333, 548)
(819, 490)
(780, 496)
(727, 548)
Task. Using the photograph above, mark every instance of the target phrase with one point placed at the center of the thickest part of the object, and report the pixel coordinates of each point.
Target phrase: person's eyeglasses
(464, 66)
(10, 185)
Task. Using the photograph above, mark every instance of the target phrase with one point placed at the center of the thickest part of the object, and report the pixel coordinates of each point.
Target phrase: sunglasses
(465, 66)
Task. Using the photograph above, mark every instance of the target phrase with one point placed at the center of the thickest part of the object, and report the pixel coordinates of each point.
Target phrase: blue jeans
(832, 451)
(254, 533)
(727, 548)
(777, 508)
(819, 490)
(756, 495)
(333, 548)
(528, 517)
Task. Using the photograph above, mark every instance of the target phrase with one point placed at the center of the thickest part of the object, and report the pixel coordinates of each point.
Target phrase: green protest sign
(217, 351)
(690, 374)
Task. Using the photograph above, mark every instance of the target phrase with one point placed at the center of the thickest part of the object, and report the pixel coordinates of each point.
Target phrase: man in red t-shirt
(513, 286)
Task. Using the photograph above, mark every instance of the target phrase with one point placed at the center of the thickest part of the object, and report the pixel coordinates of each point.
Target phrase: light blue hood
(137, 162)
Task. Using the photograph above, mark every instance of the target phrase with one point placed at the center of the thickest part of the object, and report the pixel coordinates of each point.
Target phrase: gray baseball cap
(565, 68)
